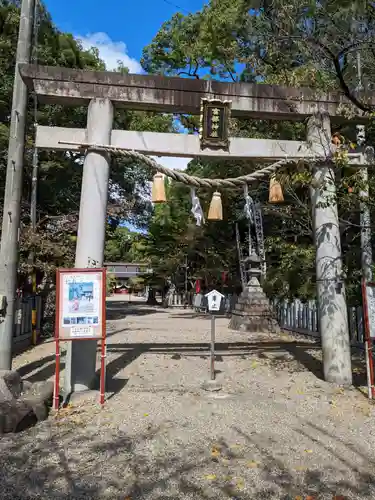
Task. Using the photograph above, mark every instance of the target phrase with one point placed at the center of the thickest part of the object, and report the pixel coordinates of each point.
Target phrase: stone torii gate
(102, 91)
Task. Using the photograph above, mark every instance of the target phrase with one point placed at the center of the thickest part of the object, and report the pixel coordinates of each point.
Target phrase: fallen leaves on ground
(69, 414)
(366, 412)
(310, 497)
(364, 407)
(285, 337)
(252, 464)
(240, 483)
(210, 477)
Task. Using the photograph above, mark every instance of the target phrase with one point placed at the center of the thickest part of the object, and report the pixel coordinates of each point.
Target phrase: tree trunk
(151, 299)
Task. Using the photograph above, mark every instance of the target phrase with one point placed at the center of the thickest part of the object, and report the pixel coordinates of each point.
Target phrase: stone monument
(253, 312)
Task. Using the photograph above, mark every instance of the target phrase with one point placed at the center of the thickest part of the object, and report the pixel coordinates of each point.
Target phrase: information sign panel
(80, 303)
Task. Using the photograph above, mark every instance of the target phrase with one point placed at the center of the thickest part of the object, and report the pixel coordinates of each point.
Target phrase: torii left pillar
(81, 356)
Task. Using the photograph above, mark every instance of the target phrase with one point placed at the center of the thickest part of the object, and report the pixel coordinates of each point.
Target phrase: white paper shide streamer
(248, 208)
(196, 208)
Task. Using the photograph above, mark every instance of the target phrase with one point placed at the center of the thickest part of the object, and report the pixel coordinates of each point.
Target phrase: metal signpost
(214, 299)
(80, 315)
(212, 350)
(368, 299)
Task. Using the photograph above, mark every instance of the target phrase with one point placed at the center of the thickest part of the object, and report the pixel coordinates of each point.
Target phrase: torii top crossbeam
(178, 95)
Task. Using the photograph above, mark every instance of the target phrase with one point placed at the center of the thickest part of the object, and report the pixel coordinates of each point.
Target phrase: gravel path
(275, 431)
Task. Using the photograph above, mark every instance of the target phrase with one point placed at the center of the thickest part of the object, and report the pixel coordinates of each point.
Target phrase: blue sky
(129, 25)
(120, 30)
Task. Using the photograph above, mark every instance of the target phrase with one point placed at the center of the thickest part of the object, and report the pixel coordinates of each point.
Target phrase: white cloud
(173, 162)
(109, 51)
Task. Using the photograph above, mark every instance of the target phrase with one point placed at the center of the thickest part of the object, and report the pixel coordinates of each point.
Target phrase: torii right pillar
(332, 309)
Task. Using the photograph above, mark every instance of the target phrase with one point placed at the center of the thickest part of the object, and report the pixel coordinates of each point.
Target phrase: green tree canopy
(308, 43)
(59, 173)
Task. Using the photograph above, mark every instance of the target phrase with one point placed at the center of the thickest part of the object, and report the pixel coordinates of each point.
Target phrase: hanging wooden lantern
(158, 189)
(276, 192)
(216, 208)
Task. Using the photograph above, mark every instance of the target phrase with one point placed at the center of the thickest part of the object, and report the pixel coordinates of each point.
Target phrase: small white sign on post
(214, 300)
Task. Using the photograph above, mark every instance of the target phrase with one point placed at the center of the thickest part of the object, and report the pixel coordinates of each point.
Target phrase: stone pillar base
(253, 312)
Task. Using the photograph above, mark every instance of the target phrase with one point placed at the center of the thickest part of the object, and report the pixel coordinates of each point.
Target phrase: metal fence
(199, 302)
(300, 317)
(180, 300)
(22, 324)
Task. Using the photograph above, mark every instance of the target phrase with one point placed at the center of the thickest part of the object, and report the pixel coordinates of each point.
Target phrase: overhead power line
(176, 6)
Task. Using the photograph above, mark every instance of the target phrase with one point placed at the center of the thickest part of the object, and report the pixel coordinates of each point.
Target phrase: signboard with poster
(80, 314)
(80, 303)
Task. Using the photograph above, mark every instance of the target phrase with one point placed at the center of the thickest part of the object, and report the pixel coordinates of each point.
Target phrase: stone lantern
(253, 312)
(253, 265)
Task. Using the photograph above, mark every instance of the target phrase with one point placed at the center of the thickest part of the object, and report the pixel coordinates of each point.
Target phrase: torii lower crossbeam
(185, 145)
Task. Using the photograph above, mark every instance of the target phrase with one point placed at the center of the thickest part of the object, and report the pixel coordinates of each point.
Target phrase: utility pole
(13, 190)
(332, 310)
(365, 220)
(34, 184)
(33, 202)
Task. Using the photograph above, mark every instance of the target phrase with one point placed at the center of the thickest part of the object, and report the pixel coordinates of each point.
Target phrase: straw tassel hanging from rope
(216, 208)
(158, 189)
(276, 191)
